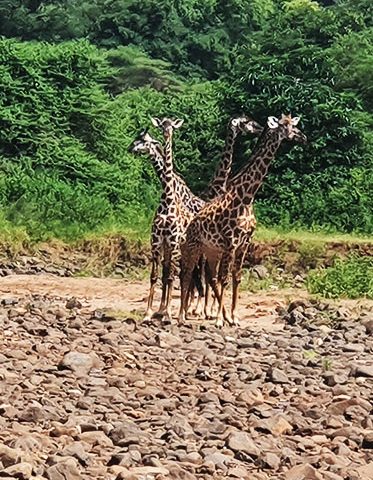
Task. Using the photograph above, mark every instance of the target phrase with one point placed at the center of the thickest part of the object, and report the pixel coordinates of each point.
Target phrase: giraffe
(223, 228)
(169, 223)
(218, 185)
(145, 143)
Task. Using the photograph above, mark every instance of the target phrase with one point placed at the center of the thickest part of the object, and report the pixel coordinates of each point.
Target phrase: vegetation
(350, 278)
(79, 79)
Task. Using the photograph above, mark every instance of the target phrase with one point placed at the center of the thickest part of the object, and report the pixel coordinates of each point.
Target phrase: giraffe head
(286, 128)
(145, 143)
(245, 125)
(167, 125)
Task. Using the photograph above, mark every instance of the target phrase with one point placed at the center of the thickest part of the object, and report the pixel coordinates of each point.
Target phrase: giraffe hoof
(219, 323)
(236, 321)
(148, 316)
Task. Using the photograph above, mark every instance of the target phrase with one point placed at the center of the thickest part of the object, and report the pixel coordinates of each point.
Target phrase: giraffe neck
(247, 182)
(156, 156)
(182, 191)
(223, 170)
(168, 169)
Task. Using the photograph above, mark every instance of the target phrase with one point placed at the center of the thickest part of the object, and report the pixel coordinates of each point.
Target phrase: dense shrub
(70, 109)
(350, 278)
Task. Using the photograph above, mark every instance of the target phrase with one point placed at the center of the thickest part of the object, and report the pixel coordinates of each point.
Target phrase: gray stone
(242, 442)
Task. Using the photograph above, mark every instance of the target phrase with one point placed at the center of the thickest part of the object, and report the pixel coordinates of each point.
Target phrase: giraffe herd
(206, 240)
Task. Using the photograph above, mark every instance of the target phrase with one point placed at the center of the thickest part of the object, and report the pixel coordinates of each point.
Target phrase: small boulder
(242, 442)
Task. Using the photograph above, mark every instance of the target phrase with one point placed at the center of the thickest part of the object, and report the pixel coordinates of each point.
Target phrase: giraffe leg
(215, 302)
(199, 281)
(226, 265)
(190, 257)
(212, 281)
(153, 281)
(236, 279)
(171, 256)
(170, 285)
(166, 265)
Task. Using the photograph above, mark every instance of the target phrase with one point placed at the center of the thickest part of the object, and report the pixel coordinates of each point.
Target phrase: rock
(194, 403)
(238, 472)
(127, 432)
(368, 326)
(65, 470)
(250, 398)
(319, 439)
(9, 456)
(79, 363)
(368, 440)
(32, 414)
(73, 303)
(331, 379)
(365, 472)
(96, 438)
(78, 451)
(331, 476)
(276, 375)
(353, 433)
(277, 425)
(353, 347)
(303, 472)
(272, 460)
(20, 470)
(260, 272)
(220, 461)
(362, 371)
(242, 442)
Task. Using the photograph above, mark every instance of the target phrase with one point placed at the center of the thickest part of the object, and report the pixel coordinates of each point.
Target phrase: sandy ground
(257, 310)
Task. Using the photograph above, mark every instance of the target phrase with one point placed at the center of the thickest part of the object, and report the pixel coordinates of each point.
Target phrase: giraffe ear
(235, 122)
(294, 121)
(177, 123)
(155, 121)
(272, 122)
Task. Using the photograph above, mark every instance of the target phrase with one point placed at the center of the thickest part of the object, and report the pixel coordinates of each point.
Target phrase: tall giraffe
(145, 143)
(222, 228)
(218, 185)
(170, 221)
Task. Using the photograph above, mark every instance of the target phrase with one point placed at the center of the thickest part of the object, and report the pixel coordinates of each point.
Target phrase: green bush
(70, 109)
(350, 278)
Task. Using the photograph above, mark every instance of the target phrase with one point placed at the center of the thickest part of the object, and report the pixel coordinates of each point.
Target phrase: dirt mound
(111, 254)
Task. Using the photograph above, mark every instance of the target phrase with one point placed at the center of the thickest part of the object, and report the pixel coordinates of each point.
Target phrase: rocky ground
(93, 393)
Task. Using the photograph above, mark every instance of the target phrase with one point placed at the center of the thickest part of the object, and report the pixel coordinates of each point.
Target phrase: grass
(13, 239)
(349, 278)
(266, 234)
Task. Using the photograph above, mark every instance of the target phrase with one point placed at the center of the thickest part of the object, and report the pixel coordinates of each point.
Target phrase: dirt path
(258, 309)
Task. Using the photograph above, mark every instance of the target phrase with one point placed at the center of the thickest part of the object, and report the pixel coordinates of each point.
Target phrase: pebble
(87, 395)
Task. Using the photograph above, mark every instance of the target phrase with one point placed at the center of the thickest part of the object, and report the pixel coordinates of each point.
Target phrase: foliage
(65, 168)
(351, 278)
(279, 70)
(84, 76)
